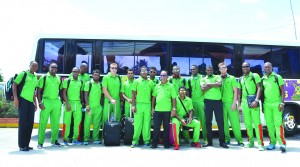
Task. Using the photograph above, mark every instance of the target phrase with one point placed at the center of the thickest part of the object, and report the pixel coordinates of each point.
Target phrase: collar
(176, 77)
(250, 74)
(141, 78)
(49, 75)
(225, 76)
(110, 75)
(195, 77)
(272, 74)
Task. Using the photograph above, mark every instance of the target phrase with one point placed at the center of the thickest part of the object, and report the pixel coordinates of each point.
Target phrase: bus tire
(289, 120)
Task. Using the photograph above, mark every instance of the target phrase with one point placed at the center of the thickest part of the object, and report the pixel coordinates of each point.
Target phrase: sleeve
(60, 84)
(239, 86)
(280, 80)
(65, 84)
(173, 93)
(41, 82)
(19, 78)
(190, 106)
(202, 81)
(123, 88)
(187, 85)
(257, 78)
(86, 87)
(104, 82)
(154, 93)
(134, 86)
(234, 82)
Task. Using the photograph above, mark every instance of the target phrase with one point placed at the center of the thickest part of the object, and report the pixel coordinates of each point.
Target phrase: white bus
(164, 52)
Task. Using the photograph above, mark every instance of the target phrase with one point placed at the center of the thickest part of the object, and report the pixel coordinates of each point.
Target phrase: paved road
(98, 155)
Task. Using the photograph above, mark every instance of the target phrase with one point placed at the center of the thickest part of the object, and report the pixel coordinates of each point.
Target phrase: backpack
(9, 85)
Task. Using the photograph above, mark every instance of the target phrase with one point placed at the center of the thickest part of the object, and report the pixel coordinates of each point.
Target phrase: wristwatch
(282, 103)
(256, 100)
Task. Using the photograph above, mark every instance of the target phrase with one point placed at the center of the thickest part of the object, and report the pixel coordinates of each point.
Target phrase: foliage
(139, 64)
(7, 109)
(1, 77)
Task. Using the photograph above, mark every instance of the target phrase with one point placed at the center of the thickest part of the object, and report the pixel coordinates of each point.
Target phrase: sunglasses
(223, 68)
(176, 70)
(53, 67)
(144, 71)
(245, 66)
(193, 69)
(152, 71)
(182, 91)
(113, 68)
(163, 75)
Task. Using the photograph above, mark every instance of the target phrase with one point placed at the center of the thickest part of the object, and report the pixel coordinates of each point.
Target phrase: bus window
(256, 56)
(54, 53)
(216, 53)
(133, 55)
(186, 54)
(84, 52)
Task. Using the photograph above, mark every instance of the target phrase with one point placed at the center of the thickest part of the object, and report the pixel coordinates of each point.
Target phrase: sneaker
(227, 143)
(56, 144)
(76, 142)
(66, 143)
(241, 144)
(261, 148)
(40, 146)
(196, 144)
(153, 146)
(271, 147)
(97, 142)
(85, 143)
(133, 145)
(147, 145)
(249, 145)
(282, 148)
(176, 147)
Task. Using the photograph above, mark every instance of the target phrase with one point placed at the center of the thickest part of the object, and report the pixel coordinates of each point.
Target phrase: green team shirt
(30, 84)
(228, 84)
(127, 90)
(52, 86)
(95, 93)
(197, 93)
(164, 95)
(155, 81)
(84, 78)
(271, 90)
(187, 102)
(177, 83)
(112, 84)
(143, 88)
(213, 93)
(74, 90)
(251, 87)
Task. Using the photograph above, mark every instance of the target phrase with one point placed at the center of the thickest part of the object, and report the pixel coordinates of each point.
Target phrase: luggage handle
(114, 111)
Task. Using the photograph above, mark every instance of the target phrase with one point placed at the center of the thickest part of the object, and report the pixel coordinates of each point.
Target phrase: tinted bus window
(215, 54)
(54, 52)
(84, 52)
(185, 55)
(133, 55)
(256, 56)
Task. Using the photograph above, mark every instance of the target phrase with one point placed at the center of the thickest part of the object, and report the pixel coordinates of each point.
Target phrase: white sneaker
(40, 146)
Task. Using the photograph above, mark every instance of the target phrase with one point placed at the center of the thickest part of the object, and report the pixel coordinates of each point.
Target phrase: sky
(22, 21)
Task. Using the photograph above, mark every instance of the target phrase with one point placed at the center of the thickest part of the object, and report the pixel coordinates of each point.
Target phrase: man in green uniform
(211, 84)
(197, 96)
(72, 95)
(163, 103)
(111, 86)
(92, 96)
(274, 93)
(24, 100)
(141, 107)
(84, 77)
(126, 91)
(177, 82)
(152, 74)
(49, 102)
(184, 107)
(230, 111)
(249, 84)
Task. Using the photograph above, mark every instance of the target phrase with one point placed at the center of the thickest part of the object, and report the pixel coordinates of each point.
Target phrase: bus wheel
(289, 121)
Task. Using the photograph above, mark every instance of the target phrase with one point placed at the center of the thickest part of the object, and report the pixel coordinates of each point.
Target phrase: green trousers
(253, 114)
(233, 117)
(52, 110)
(93, 118)
(142, 123)
(194, 124)
(273, 118)
(111, 107)
(77, 114)
(200, 115)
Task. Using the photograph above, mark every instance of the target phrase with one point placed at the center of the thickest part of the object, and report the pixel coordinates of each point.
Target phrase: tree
(1, 76)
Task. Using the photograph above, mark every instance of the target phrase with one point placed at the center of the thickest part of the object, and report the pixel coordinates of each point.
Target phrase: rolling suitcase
(112, 131)
(129, 129)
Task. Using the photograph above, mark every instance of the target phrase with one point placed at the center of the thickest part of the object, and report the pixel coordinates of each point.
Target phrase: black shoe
(166, 146)
(154, 146)
(207, 145)
(30, 148)
(24, 149)
(223, 145)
